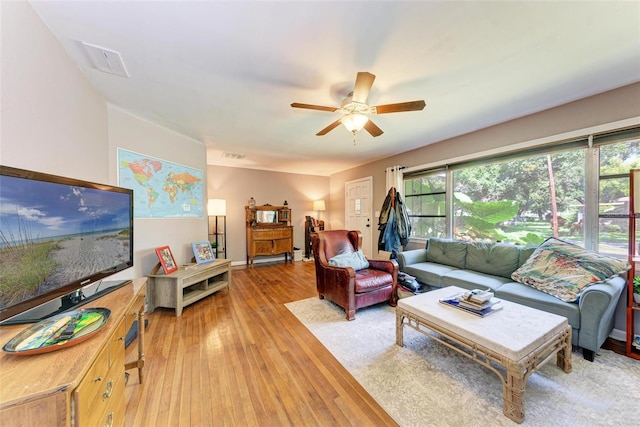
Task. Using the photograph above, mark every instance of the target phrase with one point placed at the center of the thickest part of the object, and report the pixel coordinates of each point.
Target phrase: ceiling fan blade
(364, 81)
(373, 129)
(329, 128)
(313, 107)
(400, 107)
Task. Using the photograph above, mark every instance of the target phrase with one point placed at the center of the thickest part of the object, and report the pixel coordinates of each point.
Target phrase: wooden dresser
(82, 385)
(269, 232)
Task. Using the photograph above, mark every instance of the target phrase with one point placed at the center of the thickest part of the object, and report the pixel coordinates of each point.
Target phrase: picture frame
(203, 252)
(167, 260)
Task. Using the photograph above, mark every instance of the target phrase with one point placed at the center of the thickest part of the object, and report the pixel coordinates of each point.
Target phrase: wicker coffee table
(519, 338)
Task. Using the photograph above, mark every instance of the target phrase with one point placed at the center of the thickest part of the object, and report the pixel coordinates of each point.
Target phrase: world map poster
(161, 189)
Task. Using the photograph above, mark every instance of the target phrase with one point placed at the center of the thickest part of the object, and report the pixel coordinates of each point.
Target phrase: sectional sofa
(521, 274)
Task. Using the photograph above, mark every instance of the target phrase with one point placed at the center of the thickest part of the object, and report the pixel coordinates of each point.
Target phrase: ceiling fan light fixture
(354, 122)
(354, 108)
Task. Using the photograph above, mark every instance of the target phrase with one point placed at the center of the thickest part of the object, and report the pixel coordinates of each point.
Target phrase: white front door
(358, 211)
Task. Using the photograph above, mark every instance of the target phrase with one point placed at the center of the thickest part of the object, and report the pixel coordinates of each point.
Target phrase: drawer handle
(97, 379)
(120, 339)
(108, 390)
(109, 421)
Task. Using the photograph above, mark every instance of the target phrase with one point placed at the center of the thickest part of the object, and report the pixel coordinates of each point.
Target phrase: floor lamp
(318, 205)
(218, 208)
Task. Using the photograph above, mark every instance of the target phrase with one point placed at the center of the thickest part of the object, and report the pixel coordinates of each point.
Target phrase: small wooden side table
(188, 285)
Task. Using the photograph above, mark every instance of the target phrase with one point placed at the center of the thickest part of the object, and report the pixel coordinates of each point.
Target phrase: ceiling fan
(354, 108)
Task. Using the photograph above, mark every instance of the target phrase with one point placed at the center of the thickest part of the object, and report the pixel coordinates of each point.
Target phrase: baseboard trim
(618, 335)
(267, 260)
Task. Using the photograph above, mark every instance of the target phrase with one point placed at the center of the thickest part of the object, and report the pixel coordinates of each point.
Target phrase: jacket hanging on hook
(394, 224)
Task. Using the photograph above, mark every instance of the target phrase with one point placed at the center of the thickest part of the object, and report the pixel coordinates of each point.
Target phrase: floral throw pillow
(564, 270)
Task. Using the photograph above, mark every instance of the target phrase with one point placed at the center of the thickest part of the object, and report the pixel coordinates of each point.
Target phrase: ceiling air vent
(233, 156)
(106, 60)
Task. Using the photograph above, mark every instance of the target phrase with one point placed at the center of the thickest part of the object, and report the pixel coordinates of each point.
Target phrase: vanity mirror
(266, 217)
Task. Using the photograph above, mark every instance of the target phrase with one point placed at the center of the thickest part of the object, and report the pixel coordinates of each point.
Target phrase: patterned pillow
(355, 260)
(564, 270)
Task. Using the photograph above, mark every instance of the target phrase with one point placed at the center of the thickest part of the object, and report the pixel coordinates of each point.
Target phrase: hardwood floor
(240, 358)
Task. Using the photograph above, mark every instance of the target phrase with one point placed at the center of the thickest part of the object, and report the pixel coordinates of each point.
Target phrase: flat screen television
(59, 237)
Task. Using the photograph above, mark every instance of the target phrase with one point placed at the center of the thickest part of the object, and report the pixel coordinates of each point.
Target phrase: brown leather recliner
(344, 286)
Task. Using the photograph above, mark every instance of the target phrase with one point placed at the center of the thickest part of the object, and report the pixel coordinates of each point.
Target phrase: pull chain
(354, 137)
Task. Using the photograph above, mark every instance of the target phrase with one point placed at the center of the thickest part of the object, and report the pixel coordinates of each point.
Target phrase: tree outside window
(521, 201)
(528, 199)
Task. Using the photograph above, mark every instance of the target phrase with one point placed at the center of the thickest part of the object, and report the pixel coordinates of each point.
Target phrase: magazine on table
(473, 306)
(460, 302)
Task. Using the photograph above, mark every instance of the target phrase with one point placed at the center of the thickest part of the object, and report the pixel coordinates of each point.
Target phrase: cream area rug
(426, 384)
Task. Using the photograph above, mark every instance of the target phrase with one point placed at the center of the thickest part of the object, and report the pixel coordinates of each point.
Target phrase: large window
(576, 191)
(616, 160)
(521, 200)
(425, 201)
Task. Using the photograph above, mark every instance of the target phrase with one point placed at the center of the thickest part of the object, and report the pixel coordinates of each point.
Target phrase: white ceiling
(225, 73)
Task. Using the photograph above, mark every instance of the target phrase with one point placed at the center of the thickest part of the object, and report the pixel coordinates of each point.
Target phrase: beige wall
(52, 119)
(131, 133)
(237, 185)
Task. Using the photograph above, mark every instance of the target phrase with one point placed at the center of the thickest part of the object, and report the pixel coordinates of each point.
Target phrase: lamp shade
(318, 205)
(354, 122)
(217, 207)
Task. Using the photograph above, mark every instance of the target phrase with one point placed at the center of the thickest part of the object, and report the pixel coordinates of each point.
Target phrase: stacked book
(478, 302)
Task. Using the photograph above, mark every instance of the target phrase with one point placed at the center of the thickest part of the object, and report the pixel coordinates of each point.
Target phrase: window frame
(407, 197)
(590, 143)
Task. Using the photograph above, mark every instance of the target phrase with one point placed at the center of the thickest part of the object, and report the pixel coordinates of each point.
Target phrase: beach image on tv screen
(52, 234)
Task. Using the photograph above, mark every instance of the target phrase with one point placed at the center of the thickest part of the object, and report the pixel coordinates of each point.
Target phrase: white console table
(188, 285)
